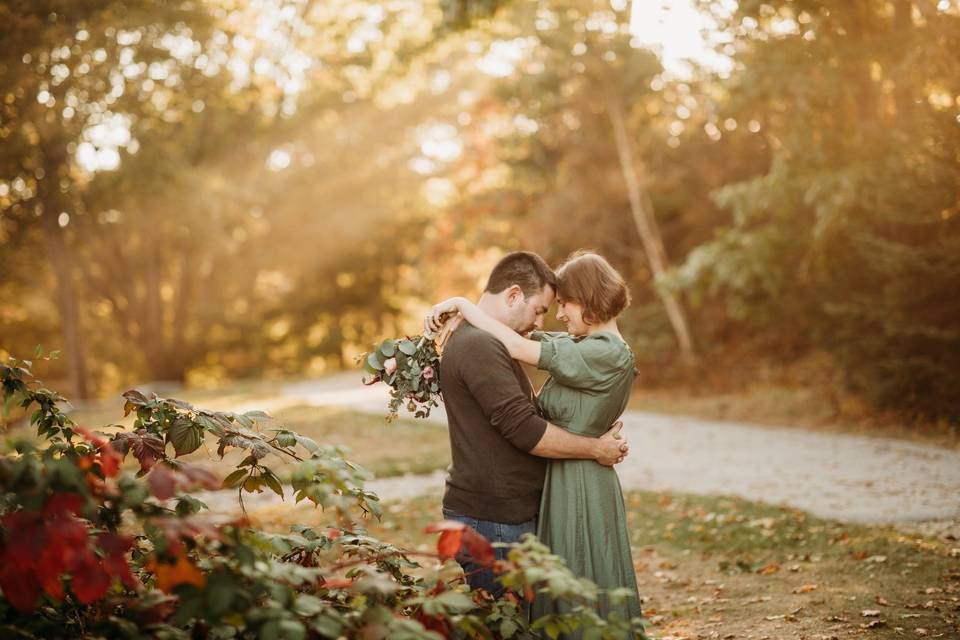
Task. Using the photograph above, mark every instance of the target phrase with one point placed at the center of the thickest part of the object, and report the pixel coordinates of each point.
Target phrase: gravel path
(845, 477)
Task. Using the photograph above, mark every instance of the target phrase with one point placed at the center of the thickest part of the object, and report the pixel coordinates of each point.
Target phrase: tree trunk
(641, 208)
(903, 91)
(61, 259)
(152, 313)
(178, 356)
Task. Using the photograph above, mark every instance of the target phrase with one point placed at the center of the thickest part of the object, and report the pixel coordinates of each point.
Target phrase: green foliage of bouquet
(411, 368)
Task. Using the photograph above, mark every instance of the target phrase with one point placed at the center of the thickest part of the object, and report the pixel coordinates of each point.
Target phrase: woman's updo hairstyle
(588, 279)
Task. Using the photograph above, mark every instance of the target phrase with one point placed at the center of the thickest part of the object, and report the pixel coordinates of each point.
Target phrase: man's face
(528, 313)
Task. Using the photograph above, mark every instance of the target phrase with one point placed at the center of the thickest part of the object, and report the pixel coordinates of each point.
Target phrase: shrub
(91, 550)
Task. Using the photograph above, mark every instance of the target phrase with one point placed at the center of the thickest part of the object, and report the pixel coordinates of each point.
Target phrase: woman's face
(571, 314)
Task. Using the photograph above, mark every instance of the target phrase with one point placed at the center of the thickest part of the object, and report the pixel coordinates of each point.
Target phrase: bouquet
(411, 368)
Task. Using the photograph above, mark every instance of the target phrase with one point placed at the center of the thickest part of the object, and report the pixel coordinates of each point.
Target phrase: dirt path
(845, 477)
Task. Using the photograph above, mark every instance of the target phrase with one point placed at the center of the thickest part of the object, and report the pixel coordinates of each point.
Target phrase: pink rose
(428, 373)
(390, 365)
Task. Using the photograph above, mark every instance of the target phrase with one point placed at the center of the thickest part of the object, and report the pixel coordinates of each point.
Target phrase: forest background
(202, 192)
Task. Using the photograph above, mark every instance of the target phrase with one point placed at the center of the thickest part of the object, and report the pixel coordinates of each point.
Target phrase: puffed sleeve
(592, 363)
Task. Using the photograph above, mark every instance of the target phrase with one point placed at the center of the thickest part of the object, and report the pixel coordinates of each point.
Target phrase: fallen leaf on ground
(883, 602)
(770, 569)
(870, 613)
(807, 588)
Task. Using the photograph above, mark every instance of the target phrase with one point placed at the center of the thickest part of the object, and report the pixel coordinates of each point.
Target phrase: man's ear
(514, 295)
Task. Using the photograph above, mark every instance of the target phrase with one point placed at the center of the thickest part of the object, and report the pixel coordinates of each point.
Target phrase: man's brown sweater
(493, 425)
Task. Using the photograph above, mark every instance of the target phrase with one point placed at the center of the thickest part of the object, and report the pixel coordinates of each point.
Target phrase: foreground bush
(91, 550)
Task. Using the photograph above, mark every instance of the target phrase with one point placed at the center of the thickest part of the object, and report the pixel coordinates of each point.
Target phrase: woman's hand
(434, 320)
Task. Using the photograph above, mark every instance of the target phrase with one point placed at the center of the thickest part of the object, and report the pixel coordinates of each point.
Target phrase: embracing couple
(541, 463)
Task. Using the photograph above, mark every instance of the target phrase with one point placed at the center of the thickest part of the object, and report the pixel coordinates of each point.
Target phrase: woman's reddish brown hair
(588, 279)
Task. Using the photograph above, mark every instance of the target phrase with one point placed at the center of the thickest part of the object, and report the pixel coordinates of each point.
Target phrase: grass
(728, 568)
(713, 567)
(401, 447)
(708, 567)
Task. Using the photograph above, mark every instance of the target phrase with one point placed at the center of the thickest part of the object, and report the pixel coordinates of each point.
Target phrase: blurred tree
(853, 230)
(61, 72)
(186, 136)
(575, 123)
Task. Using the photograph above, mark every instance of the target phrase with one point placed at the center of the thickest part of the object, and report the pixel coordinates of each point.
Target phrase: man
(498, 441)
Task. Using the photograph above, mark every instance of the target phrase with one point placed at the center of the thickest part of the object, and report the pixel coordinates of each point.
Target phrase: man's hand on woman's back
(612, 447)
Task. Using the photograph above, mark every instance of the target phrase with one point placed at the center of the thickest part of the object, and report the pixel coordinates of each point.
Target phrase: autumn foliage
(94, 546)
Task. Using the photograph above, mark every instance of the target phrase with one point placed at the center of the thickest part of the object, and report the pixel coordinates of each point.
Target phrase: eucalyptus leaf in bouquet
(411, 368)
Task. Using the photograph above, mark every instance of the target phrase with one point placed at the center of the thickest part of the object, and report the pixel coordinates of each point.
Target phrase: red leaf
(162, 482)
(90, 436)
(190, 528)
(63, 503)
(115, 556)
(478, 548)
(108, 459)
(147, 447)
(90, 580)
(54, 588)
(19, 587)
(457, 538)
(26, 540)
(337, 583)
(200, 476)
(434, 623)
(449, 543)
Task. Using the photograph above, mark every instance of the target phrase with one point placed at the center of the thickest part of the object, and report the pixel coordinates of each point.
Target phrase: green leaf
(219, 593)
(307, 443)
(211, 425)
(292, 630)
(455, 601)
(307, 605)
(235, 478)
(508, 628)
(388, 348)
(184, 436)
(286, 438)
(407, 347)
(373, 361)
(273, 482)
(369, 368)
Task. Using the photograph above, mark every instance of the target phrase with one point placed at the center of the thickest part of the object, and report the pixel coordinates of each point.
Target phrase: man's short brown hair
(524, 269)
(588, 279)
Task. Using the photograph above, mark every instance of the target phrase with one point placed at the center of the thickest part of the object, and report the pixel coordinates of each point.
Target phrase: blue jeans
(483, 578)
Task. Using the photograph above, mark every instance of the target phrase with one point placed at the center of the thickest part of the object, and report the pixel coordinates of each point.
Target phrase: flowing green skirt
(583, 520)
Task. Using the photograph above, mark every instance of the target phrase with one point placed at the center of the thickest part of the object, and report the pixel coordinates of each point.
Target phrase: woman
(582, 517)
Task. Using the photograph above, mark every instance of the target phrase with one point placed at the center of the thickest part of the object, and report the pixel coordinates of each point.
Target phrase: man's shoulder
(469, 341)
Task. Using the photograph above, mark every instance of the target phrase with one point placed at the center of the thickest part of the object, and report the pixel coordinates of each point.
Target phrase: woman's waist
(579, 429)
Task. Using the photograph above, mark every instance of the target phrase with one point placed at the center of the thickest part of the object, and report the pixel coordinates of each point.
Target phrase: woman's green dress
(582, 516)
